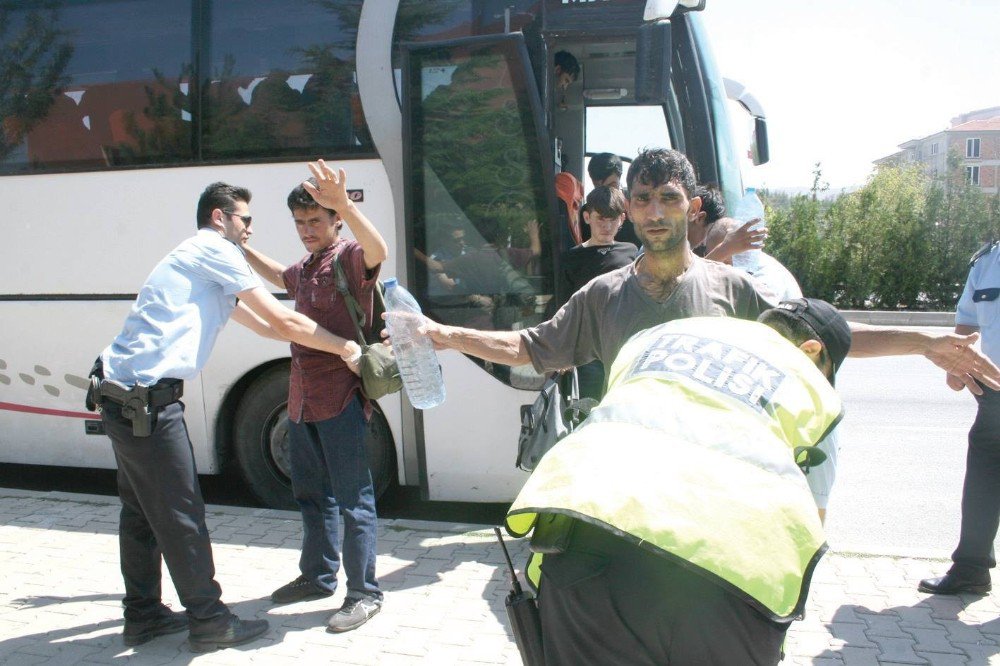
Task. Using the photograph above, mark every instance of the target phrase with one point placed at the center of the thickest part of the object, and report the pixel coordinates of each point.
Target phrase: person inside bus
(603, 213)
(606, 169)
(138, 380)
(566, 69)
(327, 412)
(712, 208)
(490, 279)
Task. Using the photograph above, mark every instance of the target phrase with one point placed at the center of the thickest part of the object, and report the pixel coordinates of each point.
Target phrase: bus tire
(261, 442)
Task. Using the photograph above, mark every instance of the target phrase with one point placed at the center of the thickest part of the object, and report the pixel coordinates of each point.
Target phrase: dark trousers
(981, 493)
(330, 477)
(607, 602)
(163, 516)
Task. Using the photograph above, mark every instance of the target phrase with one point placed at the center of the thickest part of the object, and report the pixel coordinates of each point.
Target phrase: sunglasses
(247, 219)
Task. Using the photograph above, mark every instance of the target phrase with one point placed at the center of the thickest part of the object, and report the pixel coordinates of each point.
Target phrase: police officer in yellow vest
(676, 524)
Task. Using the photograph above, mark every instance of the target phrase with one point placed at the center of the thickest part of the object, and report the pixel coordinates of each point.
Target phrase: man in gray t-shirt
(667, 282)
(600, 317)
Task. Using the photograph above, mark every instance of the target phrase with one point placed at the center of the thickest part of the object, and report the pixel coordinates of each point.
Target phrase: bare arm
(266, 267)
(504, 347)
(738, 240)
(332, 193)
(245, 316)
(957, 382)
(952, 352)
(296, 327)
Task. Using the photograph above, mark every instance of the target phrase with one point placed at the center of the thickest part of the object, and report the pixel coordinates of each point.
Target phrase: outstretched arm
(952, 352)
(504, 347)
(296, 327)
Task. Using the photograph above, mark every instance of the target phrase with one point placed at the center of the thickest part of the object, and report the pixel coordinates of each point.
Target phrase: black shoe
(236, 632)
(955, 584)
(138, 632)
(353, 614)
(299, 589)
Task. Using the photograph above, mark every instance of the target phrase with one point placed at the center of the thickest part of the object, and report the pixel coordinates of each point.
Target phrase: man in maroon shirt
(326, 409)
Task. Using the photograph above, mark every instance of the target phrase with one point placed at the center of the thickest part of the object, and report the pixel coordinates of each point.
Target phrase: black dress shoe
(235, 632)
(955, 584)
(138, 632)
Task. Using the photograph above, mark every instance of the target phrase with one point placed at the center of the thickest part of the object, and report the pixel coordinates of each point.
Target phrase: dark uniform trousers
(981, 493)
(163, 514)
(606, 602)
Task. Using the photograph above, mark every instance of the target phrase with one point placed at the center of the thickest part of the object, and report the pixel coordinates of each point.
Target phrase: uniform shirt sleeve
(965, 314)
(225, 264)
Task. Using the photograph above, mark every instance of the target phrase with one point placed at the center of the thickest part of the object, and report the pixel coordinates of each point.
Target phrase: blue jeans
(330, 476)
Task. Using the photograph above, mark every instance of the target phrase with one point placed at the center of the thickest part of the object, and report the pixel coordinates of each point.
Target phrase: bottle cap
(390, 282)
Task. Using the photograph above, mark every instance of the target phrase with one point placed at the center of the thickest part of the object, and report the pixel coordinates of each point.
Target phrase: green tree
(33, 63)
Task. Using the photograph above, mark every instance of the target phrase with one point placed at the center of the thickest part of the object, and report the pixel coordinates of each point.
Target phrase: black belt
(162, 393)
(139, 404)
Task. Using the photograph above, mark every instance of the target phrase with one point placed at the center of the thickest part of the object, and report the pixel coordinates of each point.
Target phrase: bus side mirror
(652, 63)
(760, 152)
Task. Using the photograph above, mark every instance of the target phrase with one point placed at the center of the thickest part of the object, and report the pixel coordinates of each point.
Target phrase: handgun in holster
(134, 404)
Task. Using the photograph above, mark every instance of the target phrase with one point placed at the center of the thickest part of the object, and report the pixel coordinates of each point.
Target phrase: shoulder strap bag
(378, 367)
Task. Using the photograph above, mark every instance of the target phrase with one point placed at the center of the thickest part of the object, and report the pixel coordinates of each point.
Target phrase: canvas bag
(550, 418)
(378, 368)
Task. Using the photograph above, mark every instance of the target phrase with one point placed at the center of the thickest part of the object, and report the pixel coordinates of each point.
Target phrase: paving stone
(445, 587)
(980, 653)
(897, 650)
(938, 659)
(859, 656)
(884, 625)
(851, 634)
(933, 640)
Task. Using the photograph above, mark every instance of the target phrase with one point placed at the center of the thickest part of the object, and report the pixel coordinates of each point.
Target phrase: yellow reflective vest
(690, 455)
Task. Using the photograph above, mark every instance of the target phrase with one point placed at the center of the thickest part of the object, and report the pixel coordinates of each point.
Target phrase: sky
(844, 82)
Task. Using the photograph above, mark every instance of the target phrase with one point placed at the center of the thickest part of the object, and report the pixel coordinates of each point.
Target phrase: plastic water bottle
(748, 208)
(418, 364)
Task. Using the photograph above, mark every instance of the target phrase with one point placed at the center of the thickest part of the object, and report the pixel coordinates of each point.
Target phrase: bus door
(479, 207)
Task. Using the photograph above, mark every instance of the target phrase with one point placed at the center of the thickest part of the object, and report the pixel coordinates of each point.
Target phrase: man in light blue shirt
(166, 339)
(978, 310)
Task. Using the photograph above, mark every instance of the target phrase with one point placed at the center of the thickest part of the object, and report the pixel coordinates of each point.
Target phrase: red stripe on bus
(11, 407)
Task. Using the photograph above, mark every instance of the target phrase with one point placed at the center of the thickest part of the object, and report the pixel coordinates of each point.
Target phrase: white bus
(445, 114)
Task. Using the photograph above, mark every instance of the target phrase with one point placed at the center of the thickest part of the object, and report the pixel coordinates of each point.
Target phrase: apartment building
(974, 137)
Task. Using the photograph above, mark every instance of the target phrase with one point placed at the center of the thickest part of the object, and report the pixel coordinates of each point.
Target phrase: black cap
(829, 325)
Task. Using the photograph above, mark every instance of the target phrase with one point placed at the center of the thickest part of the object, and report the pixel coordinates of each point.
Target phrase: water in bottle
(749, 208)
(418, 364)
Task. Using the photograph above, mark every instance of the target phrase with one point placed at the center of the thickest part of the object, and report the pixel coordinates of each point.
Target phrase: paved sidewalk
(60, 591)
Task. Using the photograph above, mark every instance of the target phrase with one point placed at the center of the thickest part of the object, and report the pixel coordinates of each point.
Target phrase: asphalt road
(902, 458)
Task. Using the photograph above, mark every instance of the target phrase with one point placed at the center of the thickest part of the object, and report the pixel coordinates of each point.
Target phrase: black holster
(138, 404)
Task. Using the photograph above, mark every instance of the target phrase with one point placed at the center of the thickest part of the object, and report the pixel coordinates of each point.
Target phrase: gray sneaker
(354, 613)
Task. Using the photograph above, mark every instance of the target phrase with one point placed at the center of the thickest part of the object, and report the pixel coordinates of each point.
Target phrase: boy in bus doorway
(138, 382)
(327, 412)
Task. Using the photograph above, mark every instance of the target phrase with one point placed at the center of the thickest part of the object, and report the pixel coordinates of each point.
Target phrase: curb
(900, 318)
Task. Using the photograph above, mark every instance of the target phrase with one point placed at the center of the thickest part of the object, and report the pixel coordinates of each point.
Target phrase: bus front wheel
(261, 444)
